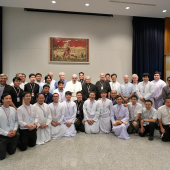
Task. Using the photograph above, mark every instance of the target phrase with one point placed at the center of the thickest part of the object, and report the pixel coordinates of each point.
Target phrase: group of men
(36, 112)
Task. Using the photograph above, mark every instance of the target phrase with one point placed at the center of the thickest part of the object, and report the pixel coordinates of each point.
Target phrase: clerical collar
(68, 101)
(126, 82)
(88, 84)
(60, 90)
(119, 104)
(5, 107)
(134, 104)
(16, 87)
(145, 82)
(104, 99)
(113, 81)
(55, 103)
(79, 101)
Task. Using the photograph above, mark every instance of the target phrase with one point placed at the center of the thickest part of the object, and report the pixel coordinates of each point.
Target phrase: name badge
(8, 123)
(18, 99)
(101, 87)
(55, 114)
(78, 112)
(31, 119)
(32, 94)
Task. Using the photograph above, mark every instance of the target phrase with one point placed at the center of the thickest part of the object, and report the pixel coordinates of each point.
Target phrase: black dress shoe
(150, 138)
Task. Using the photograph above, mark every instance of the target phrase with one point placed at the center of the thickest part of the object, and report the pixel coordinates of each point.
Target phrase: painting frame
(69, 50)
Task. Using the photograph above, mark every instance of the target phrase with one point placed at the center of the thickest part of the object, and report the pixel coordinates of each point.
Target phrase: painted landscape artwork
(69, 50)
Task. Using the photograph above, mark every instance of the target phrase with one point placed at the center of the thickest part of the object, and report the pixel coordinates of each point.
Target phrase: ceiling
(97, 6)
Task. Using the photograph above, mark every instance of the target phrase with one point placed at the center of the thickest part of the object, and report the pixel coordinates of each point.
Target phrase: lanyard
(88, 87)
(16, 91)
(144, 85)
(41, 108)
(119, 109)
(91, 104)
(55, 108)
(113, 101)
(148, 113)
(28, 111)
(6, 113)
(32, 88)
(101, 83)
(46, 98)
(78, 107)
(103, 103)
(68, 106)
(61, 93)
(133, 110)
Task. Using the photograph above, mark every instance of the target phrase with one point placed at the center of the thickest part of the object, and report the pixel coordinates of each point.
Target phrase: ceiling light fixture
(164, 11)
(53, 2)
(127, 7)
(87, 4)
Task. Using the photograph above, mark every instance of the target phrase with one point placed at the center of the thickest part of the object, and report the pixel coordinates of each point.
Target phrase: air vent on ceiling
(133, 3)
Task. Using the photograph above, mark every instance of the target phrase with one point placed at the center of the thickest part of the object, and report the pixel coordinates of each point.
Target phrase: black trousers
(27, 138)
(148, 129)
(132, 128)
(166, 136)
(7, 144)
(79, 125)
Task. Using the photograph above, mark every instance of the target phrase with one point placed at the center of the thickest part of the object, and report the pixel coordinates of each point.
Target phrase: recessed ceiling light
(164, 11)
(87, 4)
(53, 2)
(127, 7)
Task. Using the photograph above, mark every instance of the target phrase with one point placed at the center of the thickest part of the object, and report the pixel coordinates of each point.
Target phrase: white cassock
(44, 118)
(120, 113)
(91, 111)
(61, 93)
(115, 86)
(106, 108)
(158, 92)
(73, 88)
(57, 113)
(145, 90)
(70, 110)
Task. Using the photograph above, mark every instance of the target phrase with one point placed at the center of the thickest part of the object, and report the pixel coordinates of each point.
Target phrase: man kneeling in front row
(120, 119)
(148, 120)
(8, 127)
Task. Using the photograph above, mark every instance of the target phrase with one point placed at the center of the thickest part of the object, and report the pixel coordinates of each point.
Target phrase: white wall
(26, 43)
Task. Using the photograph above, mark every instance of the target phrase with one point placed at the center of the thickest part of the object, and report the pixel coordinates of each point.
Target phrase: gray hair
(135, 75)
(61, 73)
(2, 75)
(74, 75)
(88, 77)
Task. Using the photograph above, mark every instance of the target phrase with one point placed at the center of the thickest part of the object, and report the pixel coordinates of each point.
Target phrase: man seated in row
(135, 110)
(120, 119)
(148, 120)
(113, 96)
(47, 95)
(106, 109)
(8, 127)
(164, 120)
(91, 111)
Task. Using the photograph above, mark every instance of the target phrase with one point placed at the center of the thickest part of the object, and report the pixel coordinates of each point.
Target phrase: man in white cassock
(145, 90)
(57, 113)
(106, 108)
(44, 120)
(120, 119)
(114, 85)
(91, 111)
(61, 91)
(73, 86)
(159, 84)
(70, 110)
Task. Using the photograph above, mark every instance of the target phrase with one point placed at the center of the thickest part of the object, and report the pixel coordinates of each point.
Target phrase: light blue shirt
(126, 89)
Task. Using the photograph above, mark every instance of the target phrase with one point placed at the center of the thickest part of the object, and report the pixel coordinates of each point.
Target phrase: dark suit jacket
(36, 91)
(80, 106)
(106, 86)
(85, 92)
(7, 89)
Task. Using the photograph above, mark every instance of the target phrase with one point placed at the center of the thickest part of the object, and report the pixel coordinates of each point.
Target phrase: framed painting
(69, 50)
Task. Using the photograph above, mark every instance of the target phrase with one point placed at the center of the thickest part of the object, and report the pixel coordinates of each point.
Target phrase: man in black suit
(102, 85)
(87, 87)
(80, 115)
(4, 88)
(32, 87)
(81, 78)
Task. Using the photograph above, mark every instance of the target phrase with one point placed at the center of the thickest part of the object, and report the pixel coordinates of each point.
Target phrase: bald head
(102, 76)
(50, 74)
(126, 78)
